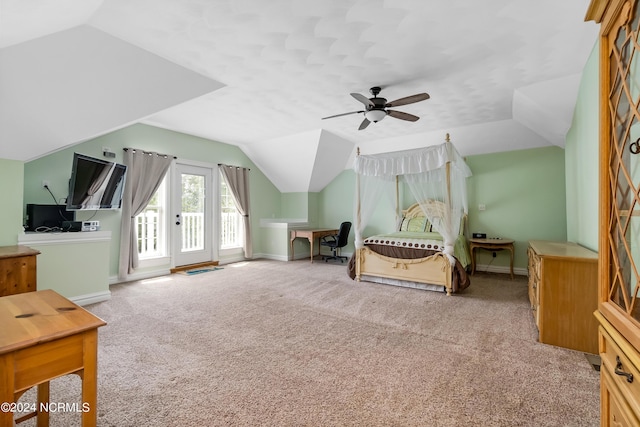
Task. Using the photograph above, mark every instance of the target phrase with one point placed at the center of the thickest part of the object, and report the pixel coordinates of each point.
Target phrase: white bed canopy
(436, 172)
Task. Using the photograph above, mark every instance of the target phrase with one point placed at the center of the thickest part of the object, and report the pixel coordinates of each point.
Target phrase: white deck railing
(231, 230)
(148, 224)
(149, 232)
(192, 231)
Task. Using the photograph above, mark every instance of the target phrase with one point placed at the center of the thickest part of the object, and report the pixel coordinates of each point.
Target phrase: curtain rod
(148, 152)
(231, 166)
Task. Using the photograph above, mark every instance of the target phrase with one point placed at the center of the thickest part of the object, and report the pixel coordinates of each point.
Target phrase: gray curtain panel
(237, 179)
(145, 171)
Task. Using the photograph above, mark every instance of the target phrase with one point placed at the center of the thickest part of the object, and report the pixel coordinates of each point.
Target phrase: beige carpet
(268, 343)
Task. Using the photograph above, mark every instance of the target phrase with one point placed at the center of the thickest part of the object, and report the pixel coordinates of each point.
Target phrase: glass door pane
(192, 215)
(193, 211)
(624, 170)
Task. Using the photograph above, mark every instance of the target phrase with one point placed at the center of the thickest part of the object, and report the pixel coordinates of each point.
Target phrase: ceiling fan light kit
(375, 115)
(376, 108)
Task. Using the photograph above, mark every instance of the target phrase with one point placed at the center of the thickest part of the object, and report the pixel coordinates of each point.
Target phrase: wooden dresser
(17, 270)
(619, 215)
(563, 290)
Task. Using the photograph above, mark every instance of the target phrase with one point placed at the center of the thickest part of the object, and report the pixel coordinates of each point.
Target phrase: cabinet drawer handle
(620, 372)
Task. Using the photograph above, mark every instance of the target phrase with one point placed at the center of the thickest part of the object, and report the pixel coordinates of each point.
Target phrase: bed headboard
(436, 207)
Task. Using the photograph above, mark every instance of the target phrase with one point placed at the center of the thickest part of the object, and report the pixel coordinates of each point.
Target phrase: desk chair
(336, 242)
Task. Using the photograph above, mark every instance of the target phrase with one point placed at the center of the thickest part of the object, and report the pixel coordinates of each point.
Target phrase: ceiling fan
(376, 108)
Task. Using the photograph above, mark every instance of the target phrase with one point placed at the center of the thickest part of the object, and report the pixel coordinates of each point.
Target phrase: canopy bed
(428, 249)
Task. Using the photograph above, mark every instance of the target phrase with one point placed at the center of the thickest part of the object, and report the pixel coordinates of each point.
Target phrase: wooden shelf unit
(17, 270)
(563, 291)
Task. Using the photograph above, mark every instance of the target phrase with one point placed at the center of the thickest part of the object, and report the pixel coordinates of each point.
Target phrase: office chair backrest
(343, 234)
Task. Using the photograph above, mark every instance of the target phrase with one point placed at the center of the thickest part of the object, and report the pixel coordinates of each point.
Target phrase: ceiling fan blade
(364, 124)
(403, 116)
(343, 114)
(366, 101)
(408, 100)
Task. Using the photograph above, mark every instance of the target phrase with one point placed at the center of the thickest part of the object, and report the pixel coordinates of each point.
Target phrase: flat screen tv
(95, 184)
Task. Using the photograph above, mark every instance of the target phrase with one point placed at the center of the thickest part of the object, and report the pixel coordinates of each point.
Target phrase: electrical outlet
(45, 183)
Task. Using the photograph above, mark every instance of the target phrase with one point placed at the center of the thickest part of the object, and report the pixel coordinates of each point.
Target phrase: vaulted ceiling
(502, 75)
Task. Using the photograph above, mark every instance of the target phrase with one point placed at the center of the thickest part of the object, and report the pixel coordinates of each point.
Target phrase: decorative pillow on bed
(419, 224)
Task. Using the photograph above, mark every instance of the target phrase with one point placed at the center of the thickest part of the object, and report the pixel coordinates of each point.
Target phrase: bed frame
(432, 270)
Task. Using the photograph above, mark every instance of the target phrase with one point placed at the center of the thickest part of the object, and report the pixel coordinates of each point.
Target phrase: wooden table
(45, 336)
(492, 245)
(311, 234)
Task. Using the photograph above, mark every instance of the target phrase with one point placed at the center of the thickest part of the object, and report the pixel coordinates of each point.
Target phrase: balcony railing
(150, 234)
(231, 230)
(149, 245)
(192, 231)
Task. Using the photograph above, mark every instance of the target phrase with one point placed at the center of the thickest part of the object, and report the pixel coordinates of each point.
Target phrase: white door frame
(210, 252)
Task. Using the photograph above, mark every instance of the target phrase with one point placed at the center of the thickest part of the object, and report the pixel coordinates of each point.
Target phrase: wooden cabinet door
(619, 188)
(619, 241)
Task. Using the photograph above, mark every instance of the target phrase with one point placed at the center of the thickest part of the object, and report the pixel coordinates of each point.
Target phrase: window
(231, 225)
(151, 226)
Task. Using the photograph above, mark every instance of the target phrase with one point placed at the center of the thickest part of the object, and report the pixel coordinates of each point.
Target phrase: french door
(192, 217)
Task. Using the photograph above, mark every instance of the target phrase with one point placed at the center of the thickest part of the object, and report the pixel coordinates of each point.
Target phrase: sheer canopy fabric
(437, 172)
(369, 190)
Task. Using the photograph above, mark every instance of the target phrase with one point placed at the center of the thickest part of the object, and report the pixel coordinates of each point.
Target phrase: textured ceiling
(502, 74)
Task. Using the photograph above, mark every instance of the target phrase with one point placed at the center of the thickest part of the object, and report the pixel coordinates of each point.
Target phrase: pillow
(417, 224)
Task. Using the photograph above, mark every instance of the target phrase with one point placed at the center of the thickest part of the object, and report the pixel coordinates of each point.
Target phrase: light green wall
(277, 243)
(524, 195)
(56, 168)
(294, 205)
(302, 206)
(73, 269)
(11, 182)
(582, 160)
(336, 204)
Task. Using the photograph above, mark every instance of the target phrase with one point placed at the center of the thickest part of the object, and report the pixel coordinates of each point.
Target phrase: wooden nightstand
(492, 245)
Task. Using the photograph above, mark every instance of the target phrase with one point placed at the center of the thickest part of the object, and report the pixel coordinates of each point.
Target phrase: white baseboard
(91, 298)
(232, 259)
(113, 280)
(501, 269)
(270, 256)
